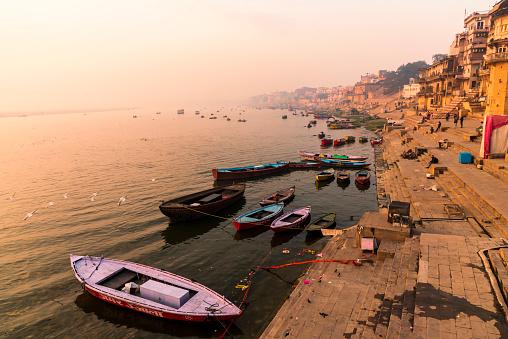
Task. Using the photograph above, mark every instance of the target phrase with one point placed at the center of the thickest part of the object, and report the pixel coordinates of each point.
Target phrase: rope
(211, 215)
(356, 262)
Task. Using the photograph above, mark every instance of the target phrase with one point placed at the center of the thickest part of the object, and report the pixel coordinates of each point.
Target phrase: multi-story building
(496, 61)
(476, 32)
(411, 90)
(437, 83)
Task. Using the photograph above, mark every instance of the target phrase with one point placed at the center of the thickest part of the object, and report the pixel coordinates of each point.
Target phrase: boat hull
(294, 226)
(248, 174)
(265, 222)
(288, 196)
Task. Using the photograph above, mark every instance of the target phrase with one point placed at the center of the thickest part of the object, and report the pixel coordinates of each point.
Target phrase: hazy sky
(97, 54)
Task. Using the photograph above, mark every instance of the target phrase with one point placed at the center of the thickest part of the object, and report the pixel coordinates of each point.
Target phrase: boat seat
(119, 279)
(210, 198)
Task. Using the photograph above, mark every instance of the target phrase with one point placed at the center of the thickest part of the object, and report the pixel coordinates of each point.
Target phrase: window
(479, 25)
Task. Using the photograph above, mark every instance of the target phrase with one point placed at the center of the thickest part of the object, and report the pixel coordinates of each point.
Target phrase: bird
(92, 197)
(121, 200)
(12, 196)
(29, 215)
(154, 179)
(65, 195)
(51, 203)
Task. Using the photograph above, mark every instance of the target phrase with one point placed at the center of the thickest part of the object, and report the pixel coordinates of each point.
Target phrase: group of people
(456, 119)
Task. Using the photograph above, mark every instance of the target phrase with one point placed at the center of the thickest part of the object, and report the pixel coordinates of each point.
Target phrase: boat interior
(208, 198)
(293, 217)
(123, 276)
(260, 214)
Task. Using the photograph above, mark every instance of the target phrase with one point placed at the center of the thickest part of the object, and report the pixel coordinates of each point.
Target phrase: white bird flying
(12, 196)
(92, 197)
(153, 179)
(29, 215)
(51, 203)
(121, 200)
(65, 195)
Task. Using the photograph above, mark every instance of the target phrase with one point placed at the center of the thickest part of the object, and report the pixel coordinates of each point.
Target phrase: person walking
(462, 121)
(447, 116)
(438, 126)
(455, 119)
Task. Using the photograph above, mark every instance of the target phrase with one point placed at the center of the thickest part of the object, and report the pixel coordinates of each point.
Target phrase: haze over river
(55, 163)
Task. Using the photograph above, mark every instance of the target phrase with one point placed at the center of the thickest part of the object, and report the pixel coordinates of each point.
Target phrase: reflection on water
(64, 159)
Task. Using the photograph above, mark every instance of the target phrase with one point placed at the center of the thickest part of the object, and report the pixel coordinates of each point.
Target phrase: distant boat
(284, 117)
(150, 290)
(343, 177)
(201, 204)
(247, 172)
(180, 111)
(262, 216)
(326, 142)
(362, 177)
(196, 112)
(344, 163)
(325, 176)
(326, 221)
(304, 165)
(284, 196)
(321, 135)
(292, 221)
(350, 139)
(376, 141)
(339, 142)
(363, 139)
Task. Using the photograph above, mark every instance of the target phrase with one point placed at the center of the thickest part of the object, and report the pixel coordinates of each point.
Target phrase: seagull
(51, 203)
(92, 197)
(29, 215)
(121, 200)
(12, 196)
(66, 195)
(153, 179)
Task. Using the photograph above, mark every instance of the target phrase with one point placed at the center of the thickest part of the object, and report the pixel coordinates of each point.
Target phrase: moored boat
(376, 141)
(326, 221)
(284, 196)
(304, 165)
(321, 135)
(363, 139)
(326, 142)
(248, 172)
(316, 156)
(284, 117)
(180, 111)
(262, 216)
(350, 139)
(200, 204)
(343, 177)
(325, 175)
(344, 164)
(295, 220)
(362, 177)
(339, 142)
(150, 290)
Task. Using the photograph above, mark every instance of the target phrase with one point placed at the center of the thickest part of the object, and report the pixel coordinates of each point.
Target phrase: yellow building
(437, 83)
(496, 60)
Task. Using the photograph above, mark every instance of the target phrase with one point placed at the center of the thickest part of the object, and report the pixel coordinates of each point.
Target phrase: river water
(55, 163)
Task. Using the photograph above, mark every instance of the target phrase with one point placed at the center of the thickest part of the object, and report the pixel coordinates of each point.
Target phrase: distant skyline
(65, 55)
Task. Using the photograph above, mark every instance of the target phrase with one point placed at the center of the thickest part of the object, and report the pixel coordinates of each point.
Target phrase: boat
(362, 177)
(326, 221)
(339, 142)
(321, 135)
(247, 172)
(344, 164)
(212, 118)
(150, 290)
(262, 216)
(316, 156)
(200, 204)
(350, 139)
(376, 141)
(313, 122)
(326, 142)
(284, 117)
(284, 196)
(304, 165)
(325, 175)
(292, 221)
(343, 177)
(197, 112)
(363, 139)
(180, 111)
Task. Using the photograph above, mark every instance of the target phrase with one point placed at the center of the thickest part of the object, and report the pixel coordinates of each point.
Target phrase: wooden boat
(316, 156)
(180, 111)
(363, 139)
(150, 290)
(199, 204)
(376, 141)
(197, 112)
(350, 139)
(247, 172)
(362, 177)
(343, 177)
(339, 142)
(325, 176)
(284, 117)
(321, 135)
(304, 165)
(326, 221)
(344, 164)
(292, 221)
(326, 142)
(262, 216)
(284, 196)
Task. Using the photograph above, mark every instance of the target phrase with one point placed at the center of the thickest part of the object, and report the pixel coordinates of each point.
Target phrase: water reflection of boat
(121, 317)
(362, 187)
(250, 233)
(283, 237)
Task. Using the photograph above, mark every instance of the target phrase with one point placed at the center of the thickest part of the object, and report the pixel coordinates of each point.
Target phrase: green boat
(326, 221)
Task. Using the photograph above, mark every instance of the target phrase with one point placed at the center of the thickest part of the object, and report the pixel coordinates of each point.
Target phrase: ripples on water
(44, 157)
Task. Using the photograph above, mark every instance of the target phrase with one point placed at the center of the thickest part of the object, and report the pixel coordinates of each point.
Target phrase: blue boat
(247, 172)
(262, 216)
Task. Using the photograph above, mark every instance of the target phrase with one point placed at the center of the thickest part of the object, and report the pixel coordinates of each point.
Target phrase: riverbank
(426, 281)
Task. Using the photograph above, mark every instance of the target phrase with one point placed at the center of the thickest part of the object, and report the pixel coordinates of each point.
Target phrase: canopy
(495, 135)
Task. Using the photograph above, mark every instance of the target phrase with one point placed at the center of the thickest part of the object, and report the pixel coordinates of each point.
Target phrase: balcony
(496, 57)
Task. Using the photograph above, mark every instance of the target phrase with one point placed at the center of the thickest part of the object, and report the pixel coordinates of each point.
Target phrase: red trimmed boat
(339, 142)
(262, 216)
(200, 204)
(304, 165)
(150, 290)
(292, 221)
(362, 177)
(284, 196)
(248, 172)
(326, 142)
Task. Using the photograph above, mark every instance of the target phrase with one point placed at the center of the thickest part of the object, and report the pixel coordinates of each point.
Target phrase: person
(462, 121)
(447, 116)
(431, 129)
(438, 126)
(433, 160)
(455, 119)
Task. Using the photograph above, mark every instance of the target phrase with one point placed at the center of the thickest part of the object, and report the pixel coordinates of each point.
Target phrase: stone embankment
(444, 276)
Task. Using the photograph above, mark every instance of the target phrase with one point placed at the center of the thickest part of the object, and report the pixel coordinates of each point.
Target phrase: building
(496, 61)
(437, 83)
(476, 33)
(411, 90)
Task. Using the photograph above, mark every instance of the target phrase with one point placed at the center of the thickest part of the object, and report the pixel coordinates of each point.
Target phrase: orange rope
(356, 262)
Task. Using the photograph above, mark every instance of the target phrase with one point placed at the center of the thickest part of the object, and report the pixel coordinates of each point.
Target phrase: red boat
(326, 142)
(376, 141)
(338, 142)
(362, 177)
(149, 290)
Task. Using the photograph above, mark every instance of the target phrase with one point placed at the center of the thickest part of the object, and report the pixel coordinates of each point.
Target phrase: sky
(59, 55)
